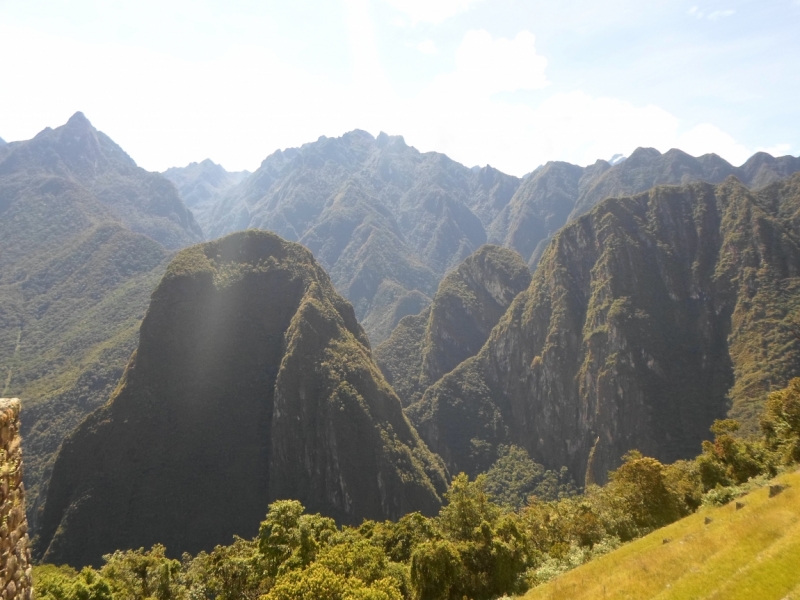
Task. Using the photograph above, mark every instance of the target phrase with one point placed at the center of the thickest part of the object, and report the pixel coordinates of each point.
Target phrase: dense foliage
(474, 548)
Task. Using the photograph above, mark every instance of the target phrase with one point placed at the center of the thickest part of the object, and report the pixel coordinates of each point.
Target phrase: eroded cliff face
(15, 556)
(647, 319)
(468, 304)
(252, 382)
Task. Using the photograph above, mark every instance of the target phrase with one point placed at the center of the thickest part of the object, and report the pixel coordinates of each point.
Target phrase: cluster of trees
(475, 548)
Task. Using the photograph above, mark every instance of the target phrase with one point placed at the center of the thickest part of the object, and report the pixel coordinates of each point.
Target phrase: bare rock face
(646, 319)
(252, 382)
(15, 556)
(468, 304)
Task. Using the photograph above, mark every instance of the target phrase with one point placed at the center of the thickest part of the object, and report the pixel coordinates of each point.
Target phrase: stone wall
(15, 557)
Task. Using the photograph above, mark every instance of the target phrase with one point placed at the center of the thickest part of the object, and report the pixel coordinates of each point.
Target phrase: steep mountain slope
(252, 382)
(75, 280)
(202, 183)
(144, 202)
(385, 220)
(641, 318)
(468, 304)
(749, 552)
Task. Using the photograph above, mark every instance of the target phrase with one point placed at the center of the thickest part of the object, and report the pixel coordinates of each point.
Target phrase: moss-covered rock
(252, 382)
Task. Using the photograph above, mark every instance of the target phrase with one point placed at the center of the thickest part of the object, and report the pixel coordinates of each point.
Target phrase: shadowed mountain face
(646, 319)
(388, 222)
(252, 382)
(83, 232)
(469, 303)
(200, 183)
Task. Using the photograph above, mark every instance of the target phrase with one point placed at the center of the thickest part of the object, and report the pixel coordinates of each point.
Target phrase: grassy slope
(749, 553)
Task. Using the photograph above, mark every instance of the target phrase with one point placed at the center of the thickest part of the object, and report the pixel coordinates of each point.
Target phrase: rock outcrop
(468, 304)
(252, 382)
(646, 319)
(15, 557)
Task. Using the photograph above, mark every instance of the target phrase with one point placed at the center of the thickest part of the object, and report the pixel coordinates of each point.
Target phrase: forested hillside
(85, 235)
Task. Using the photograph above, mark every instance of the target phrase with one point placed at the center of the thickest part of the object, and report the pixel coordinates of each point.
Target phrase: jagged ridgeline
(252, 382)
(646, 320)
(388, 222)
(468, 304)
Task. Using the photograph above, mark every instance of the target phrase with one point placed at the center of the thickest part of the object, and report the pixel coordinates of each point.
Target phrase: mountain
(85, 236)
(202, 183)
(560, 192)
(144, 202)
(468, 304)
(2, 142)
(386, 221)
(646, 319)
(252, 382)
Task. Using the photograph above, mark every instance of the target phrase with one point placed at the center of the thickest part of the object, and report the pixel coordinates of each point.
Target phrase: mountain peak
(79, 119)
(2, 142)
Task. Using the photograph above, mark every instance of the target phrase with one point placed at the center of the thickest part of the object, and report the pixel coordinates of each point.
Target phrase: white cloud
(428, 47)
(432, 11)
(695, 11)
(240, 106)
(777, 149)
(707, 138)
(720, 14)
(486, 66)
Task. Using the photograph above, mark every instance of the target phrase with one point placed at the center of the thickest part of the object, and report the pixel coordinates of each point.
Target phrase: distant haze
(509, 83)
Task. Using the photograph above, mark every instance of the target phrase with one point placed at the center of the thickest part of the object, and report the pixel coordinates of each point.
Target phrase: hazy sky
(511, 83)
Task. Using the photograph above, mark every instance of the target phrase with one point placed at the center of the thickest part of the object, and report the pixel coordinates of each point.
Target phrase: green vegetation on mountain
(646, 320)
(143, 202)
(468, 304)
(477, 549)
(747, 552)
(252, 382)
(82, 245)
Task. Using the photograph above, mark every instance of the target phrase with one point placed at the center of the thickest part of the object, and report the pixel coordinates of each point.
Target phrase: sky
(510, 83)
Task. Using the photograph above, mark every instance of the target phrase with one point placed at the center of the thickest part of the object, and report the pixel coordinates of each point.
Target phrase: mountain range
(388, 222)
(651, 311)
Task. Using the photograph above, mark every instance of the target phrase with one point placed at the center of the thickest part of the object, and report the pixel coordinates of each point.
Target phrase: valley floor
(751, 553)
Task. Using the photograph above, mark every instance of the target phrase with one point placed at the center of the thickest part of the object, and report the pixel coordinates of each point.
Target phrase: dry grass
(751, 553)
